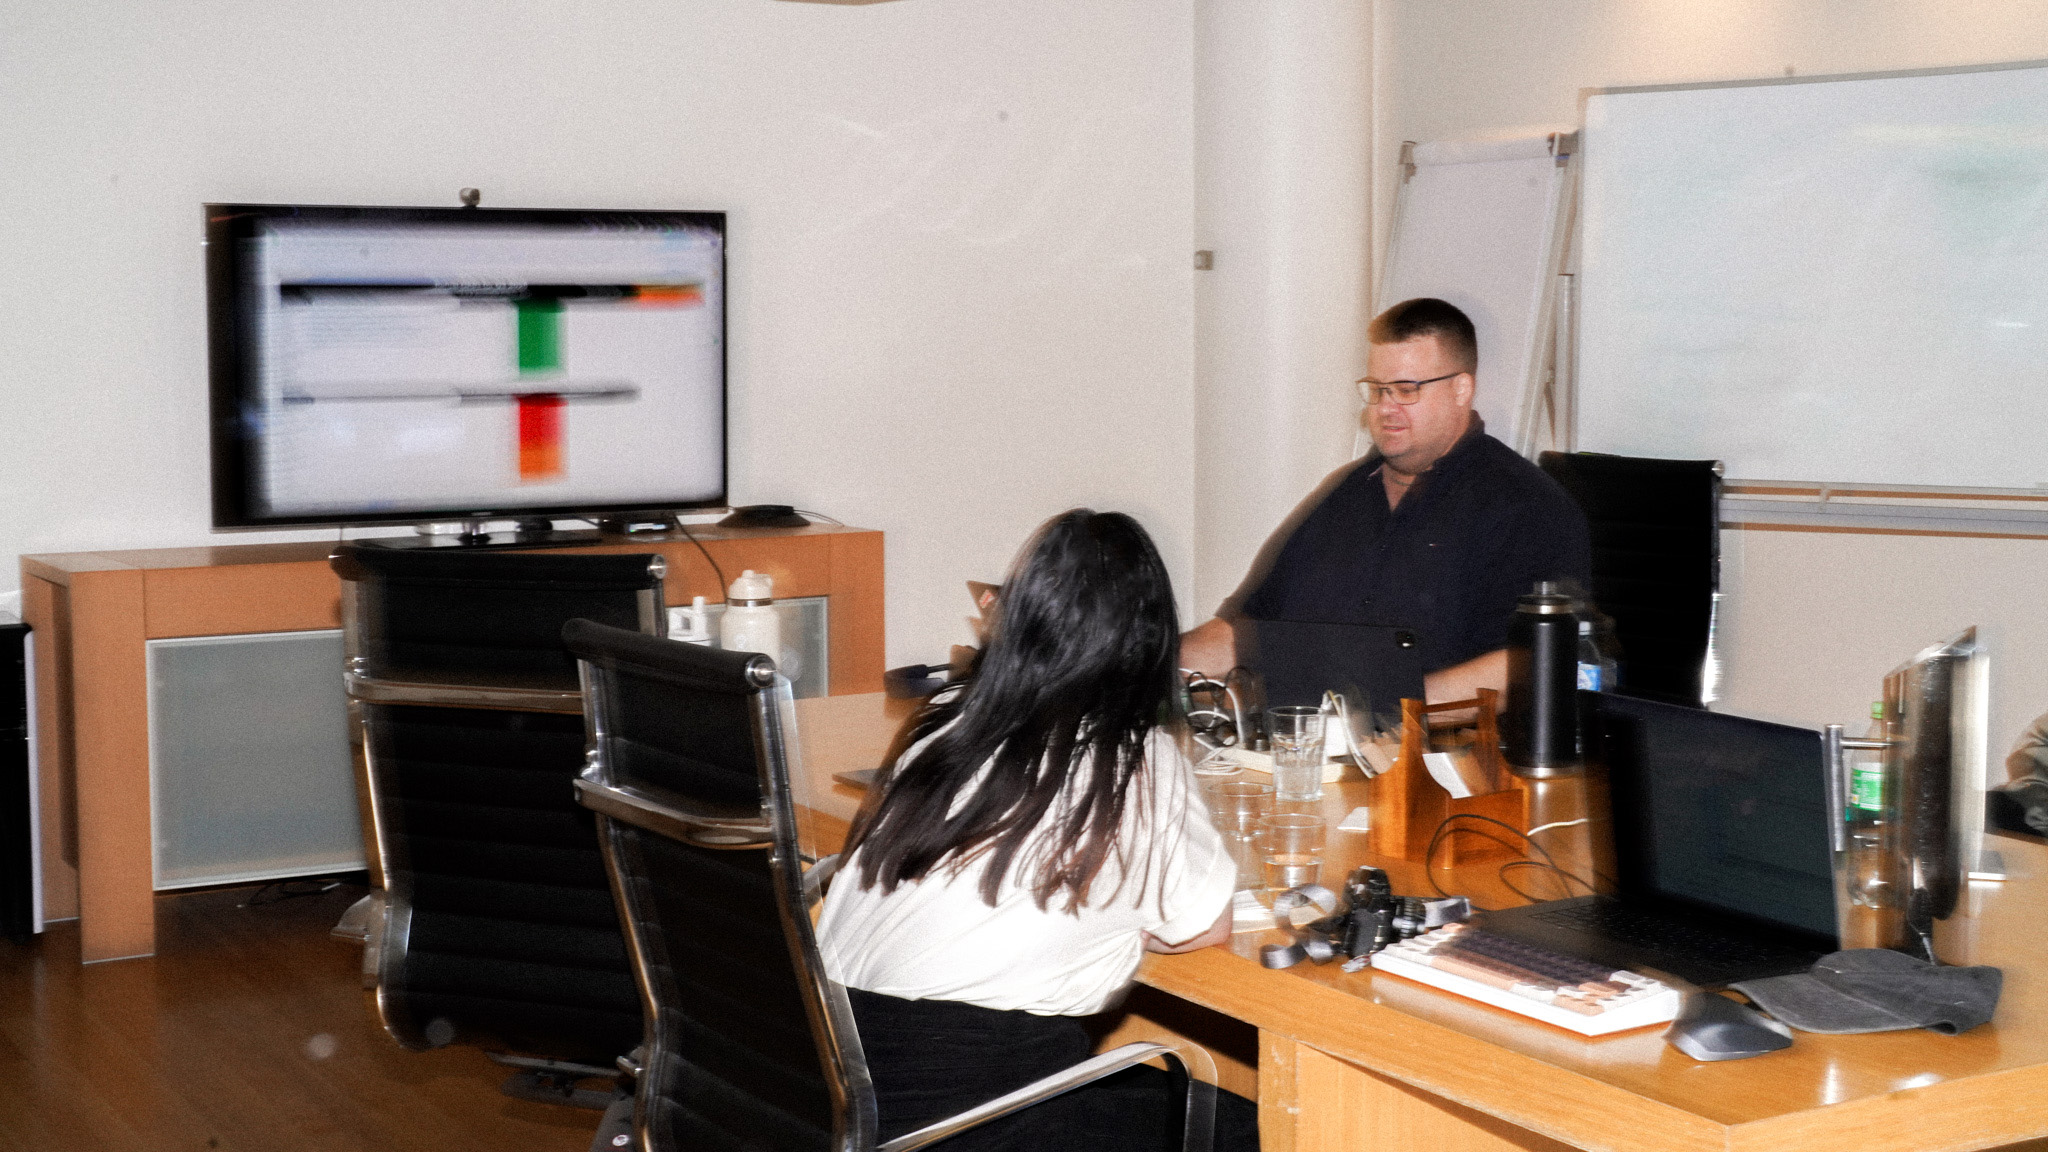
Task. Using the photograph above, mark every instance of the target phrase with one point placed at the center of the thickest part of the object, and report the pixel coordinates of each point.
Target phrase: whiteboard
(1841, 280)
(1481, 225)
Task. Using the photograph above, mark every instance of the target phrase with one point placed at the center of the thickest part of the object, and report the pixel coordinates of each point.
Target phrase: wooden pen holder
(1409, 806)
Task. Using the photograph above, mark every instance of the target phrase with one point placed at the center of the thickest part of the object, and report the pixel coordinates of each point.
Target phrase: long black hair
(1078, 671)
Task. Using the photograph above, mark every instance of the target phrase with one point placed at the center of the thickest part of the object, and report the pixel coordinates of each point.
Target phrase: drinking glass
(1290, 847)
(1297, 736)
(1238, 806)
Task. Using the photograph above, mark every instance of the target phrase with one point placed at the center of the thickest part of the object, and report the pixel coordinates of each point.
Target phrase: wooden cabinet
(93, 613)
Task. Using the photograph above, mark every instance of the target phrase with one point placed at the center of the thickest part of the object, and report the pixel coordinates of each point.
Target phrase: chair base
(556, 1082)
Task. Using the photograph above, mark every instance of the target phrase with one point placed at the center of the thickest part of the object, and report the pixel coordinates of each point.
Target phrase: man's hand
(1211, 648)
(1217, 934)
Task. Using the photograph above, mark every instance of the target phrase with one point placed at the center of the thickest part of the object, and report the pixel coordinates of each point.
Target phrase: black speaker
(18, 918)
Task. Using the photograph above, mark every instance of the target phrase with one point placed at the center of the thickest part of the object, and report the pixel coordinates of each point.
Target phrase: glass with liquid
(1296, 733)
(1290, 846)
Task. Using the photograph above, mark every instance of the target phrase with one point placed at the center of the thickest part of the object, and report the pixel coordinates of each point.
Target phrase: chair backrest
(1656, 529)
(497, 920)
(484, 617)
(748, 1044)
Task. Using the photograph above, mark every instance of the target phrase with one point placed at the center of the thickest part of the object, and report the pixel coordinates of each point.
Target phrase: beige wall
(1812, 621)
(1282, 156)
(960, 284)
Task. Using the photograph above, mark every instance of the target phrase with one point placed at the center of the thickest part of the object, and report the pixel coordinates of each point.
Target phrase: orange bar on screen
(540, 436)
(668, 295)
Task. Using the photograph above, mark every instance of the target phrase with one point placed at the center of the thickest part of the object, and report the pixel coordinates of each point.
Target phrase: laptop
(1371, 666)
(1721, 840)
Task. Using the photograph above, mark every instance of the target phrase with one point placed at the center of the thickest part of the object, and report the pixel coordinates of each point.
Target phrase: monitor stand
(537, 533)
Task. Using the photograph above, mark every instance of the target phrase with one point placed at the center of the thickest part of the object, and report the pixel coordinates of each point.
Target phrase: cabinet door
(251, 776)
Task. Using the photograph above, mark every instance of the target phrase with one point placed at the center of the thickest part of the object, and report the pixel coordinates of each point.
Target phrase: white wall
(960, 229)
(1282, 195)
(1813, 620)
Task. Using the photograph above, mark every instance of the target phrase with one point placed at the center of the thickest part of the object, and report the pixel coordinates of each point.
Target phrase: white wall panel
(1283, 130)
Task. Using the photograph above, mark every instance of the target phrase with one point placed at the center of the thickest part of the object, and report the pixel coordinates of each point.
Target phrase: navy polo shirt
(1474, 533)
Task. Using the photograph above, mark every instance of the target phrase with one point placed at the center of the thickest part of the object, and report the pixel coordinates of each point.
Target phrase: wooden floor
(247, 1032)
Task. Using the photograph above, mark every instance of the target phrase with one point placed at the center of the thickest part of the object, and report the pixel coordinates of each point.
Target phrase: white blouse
(936, 939)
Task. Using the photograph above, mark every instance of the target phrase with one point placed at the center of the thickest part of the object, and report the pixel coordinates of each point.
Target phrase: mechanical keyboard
(1579, 995)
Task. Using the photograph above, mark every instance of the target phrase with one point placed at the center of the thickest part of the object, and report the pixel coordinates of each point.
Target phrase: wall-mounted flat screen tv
(418, 364)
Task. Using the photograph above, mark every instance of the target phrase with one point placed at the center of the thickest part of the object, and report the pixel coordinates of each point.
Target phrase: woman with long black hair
(1039, 831)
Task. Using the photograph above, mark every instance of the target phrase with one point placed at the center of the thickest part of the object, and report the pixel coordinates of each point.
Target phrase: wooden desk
(94, 612)
(1375, 1061)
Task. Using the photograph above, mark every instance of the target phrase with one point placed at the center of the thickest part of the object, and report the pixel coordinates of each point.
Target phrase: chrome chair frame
(774, 827)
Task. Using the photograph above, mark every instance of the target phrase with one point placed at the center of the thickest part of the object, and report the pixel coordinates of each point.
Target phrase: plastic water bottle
(691, 625)
(1590, 679)
(1869, 870)
(750, 623)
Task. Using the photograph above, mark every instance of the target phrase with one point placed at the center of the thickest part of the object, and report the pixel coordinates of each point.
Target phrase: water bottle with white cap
(750, 623)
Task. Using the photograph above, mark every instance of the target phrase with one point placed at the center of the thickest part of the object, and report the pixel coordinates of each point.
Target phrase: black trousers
(933, 1058)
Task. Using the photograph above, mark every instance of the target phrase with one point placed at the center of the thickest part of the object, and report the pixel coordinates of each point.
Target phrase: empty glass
(1237, 806)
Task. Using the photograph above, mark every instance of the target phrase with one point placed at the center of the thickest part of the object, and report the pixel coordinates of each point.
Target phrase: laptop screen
(1719, 810)
(1374, 667)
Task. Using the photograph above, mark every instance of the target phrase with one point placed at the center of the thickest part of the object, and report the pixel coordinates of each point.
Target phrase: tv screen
(390, 364)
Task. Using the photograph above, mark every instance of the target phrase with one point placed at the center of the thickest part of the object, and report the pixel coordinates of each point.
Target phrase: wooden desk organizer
(1408, 806)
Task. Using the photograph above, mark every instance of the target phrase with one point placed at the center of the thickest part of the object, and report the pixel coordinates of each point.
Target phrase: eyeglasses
(1402, 391)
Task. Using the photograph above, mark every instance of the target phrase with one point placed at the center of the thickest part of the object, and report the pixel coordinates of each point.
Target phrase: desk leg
(1277, 1092)
(1330, 1104)
(110, 682)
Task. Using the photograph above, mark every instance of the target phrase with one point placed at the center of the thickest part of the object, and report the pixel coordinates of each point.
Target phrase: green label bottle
(1866, 778)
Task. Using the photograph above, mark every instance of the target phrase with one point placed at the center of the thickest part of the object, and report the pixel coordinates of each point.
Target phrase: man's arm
(1211, 648)
(1463, 681)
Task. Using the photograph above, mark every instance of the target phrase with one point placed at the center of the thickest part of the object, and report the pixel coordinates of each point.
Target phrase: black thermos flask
(1540, 730)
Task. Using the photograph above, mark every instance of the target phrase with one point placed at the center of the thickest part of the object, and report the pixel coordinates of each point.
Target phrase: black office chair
(748, 1045)
(1656, 527)
(494, 923)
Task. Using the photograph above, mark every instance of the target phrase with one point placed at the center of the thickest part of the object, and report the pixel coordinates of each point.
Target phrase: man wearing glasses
(1438, 530)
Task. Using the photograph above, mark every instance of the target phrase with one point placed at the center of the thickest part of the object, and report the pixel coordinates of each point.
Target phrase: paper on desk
(1248, 915)
(1360, 820)
(1445, 772)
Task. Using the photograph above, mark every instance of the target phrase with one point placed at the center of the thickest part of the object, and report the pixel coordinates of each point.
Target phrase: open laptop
(1372, 666)
(1721, 841)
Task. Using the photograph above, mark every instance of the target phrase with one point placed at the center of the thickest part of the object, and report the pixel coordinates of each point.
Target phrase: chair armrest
(1198, 1131)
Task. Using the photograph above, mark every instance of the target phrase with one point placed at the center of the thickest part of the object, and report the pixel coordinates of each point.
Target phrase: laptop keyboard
(1637, 929)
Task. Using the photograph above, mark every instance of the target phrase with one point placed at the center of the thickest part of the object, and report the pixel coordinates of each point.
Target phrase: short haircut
(1428, 316)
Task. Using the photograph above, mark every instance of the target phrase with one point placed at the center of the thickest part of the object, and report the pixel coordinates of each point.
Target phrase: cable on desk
(1551, 868)
(1444, 830)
